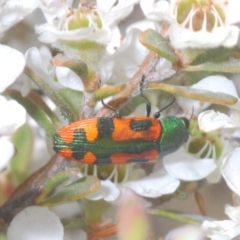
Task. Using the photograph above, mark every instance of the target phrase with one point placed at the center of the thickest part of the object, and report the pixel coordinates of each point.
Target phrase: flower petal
(13, 11)
(13, 115)
(68, 78)
(113, 11)
(221, 230)
(12, 63)
(231, 170)
(35, 223)
(217, 83)
(185, 232)
(155, 185)
(184, 166)
(211, 120)
(156, 10)
(108, 191)
(181, 37)
(6, 152)
(233, 213)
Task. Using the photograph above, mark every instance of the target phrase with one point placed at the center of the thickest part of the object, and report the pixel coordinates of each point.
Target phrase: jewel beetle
(116, 140)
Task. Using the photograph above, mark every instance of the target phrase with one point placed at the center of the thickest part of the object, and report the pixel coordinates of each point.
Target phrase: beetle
(116, 140)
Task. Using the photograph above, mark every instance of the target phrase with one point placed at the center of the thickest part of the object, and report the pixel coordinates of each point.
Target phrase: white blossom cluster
(100, 23)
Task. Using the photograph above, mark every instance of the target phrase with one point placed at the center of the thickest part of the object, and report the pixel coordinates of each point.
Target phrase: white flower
(217, 144)
(6, 152)
(197, 24)
(226, 229)
(12, 63)
(229, 123)
(187, 167)
(155, 185)
(74, 24)
(40, 63)
(157, 10)
(164, 179)
(217, 84)
(186, 232)
(231, 170)
(13, 11)
(35, 223)
(113, 11)
(126, 59)
(210, 120)
(53, 9)
(108, 191)
(13, 115)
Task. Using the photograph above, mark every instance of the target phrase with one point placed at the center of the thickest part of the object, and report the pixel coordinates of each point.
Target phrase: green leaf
(73, 99)
(19, 163)
(217, 54)
(94, 209)
(51, 90)
(227, 66)
(89, 52)
(104, 92)
(197, 94)
(78, 66)
(155, 42)
(179, 217)
(54, 182)
(3, 236)
(73, 191)
(74, 223)
(39, 101)
(186, 78)
(34, 111)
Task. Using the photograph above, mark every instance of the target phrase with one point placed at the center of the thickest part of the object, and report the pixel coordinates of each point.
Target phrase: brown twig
(132, 87)
(26, 193)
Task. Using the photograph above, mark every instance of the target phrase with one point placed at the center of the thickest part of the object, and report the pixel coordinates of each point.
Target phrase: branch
(26, 193)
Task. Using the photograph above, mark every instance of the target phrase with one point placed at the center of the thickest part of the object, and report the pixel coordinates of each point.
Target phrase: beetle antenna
(108, 106)
(158, 114)
(118, 115)
(192, 113)
(148, 104)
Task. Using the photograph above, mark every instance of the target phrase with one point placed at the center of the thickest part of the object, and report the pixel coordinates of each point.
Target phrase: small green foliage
(178, 217)
(78, 66)
(74, 223)
(73, 191)
(19, 163)
(73, 98)
(155, 42)
(227, 66)
(54, 182)
(34, 110)
(3, 236)
(89, 52)
(197, 94)
(51, 90)
(106, 91)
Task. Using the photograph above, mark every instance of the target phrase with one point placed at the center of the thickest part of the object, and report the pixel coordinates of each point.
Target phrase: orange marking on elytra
(91, 130)
(67, 136)
(123, 132)
(65, 152)
(118, 158)
(88, 125)
(89, 158)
